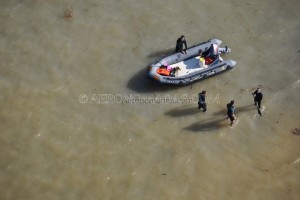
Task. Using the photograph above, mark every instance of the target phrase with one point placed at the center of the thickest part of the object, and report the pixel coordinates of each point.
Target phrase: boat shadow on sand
(139, 82)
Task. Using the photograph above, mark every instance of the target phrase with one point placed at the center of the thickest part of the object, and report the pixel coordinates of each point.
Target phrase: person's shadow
(207, 125)
(219, 121)
(237, 110)
(183, 111)
(204, 125)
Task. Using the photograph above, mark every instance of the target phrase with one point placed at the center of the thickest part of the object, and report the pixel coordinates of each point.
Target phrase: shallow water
(68, 134)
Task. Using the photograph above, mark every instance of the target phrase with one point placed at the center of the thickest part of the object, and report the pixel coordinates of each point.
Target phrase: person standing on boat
(179, 45)
(231, 111)
(258, 96)
(202, 101)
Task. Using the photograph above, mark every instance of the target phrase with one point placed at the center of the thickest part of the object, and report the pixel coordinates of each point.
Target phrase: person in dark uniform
(202, 101)
(231, 111)
(258, 96)
(179, 45)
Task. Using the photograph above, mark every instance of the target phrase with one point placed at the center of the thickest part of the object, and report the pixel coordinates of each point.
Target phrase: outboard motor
(224, 50)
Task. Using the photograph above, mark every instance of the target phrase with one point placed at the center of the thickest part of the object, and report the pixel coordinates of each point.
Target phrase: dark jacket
(179, 45)
(230, 109)
(201, 98)
(258, 96)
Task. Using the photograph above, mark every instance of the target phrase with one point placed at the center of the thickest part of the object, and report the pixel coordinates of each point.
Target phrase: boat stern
(216, 41)
(230, 63)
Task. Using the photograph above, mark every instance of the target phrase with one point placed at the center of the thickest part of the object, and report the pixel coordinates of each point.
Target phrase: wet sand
(63, 138)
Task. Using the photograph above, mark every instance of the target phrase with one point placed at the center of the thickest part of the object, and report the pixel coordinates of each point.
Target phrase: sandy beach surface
(80, 120)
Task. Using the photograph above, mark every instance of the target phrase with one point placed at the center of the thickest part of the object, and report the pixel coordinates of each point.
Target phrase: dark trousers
(257, 103)
(202, 105)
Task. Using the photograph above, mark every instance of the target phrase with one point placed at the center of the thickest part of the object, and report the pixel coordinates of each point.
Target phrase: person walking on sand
(179, 45)
(258, 96)
(230, 112)
(202, 101)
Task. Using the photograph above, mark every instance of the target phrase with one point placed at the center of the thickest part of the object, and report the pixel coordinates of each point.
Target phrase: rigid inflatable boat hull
(190, 74)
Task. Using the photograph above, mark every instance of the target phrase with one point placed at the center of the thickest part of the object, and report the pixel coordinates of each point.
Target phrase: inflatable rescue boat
(200, 62)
